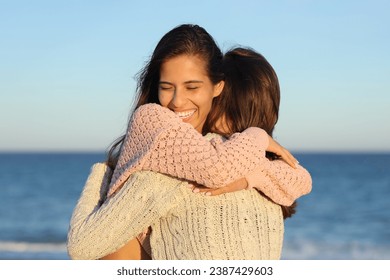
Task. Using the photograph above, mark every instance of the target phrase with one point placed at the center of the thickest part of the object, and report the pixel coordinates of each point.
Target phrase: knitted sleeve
(96, 231)
(280, 182)
(277, 180)
(160, 141)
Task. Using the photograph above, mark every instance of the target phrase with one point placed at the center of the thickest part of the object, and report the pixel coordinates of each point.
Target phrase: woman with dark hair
(185, 75)
(252, 100)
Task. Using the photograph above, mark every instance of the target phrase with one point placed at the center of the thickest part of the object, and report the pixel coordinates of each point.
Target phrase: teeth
(184, 115)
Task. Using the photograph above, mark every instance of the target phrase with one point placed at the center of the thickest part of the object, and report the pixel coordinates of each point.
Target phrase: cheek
(209, 100)
(164, 99)
(205, 104)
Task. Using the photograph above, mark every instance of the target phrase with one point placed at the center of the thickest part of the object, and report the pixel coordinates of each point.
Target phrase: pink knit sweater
(158, 140)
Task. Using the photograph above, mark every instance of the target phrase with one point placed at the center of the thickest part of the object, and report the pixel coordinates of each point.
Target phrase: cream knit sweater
(239, 225)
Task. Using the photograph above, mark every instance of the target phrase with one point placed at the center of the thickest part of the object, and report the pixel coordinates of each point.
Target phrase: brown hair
(250, 98)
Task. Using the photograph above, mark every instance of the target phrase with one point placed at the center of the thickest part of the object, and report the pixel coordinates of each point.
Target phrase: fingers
(196, 188)
(218, 191)
(276, 148)
(293, 160)
(288, 158)
(209, 191)
(237, 185)
(200, 190)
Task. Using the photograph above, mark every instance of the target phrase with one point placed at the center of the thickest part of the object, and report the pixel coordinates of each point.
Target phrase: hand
(237, 185)
(277, 149)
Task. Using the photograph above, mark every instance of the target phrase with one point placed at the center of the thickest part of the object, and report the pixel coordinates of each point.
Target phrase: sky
(67, 68)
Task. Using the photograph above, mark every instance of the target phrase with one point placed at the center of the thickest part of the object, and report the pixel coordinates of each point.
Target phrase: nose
(179, 98)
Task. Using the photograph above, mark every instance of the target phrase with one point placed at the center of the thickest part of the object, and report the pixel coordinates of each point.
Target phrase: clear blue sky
(67, 67)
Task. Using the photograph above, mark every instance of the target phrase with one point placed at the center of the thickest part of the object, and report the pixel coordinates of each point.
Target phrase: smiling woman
(186, 89)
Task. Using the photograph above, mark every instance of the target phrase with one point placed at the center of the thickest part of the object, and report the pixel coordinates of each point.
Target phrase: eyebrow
(187, 82)
(193, 82)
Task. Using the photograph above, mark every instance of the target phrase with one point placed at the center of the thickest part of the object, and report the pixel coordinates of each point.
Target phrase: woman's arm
(276, 179)
(282, 188)
(96, 232)
(281, 183)
(158, 140)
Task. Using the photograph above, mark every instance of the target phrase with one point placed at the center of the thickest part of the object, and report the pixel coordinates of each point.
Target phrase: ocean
(346, 216)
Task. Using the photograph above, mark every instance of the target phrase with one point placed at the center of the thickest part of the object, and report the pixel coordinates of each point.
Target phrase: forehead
(183, 67)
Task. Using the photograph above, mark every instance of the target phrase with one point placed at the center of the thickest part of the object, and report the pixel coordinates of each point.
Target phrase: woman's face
(186, 89)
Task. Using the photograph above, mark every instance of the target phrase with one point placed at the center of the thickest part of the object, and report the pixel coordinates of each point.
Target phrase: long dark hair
(186, 39)
(250, 98)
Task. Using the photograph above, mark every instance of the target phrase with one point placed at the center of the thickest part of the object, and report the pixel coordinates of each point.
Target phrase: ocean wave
(314, 250)
(12, 246)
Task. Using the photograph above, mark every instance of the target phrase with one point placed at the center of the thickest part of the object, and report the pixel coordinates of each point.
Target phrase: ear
(218, 88)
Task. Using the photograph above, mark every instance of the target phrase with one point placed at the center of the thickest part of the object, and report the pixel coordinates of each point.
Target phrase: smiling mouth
(185, 115)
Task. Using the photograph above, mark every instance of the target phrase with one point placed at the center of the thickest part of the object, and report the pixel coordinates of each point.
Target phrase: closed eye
(165, 86)
(193, 85)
